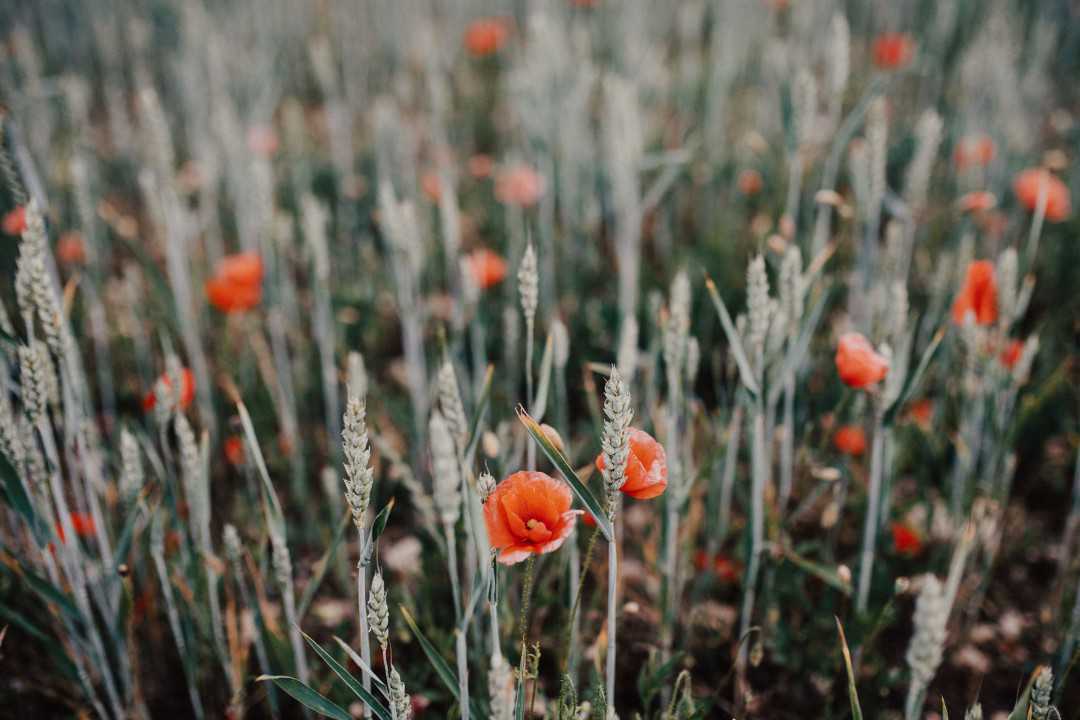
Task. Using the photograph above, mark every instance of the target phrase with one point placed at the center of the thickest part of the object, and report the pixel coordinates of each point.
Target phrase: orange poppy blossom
(237, 283)
(187, 390)
(234, 450)
(262, 140)
(487, 267)
(1011, 354)
(481, 166)
(529, 513)
(519, 185)
(749, 182)
(974, 151)
(486, 36)
(978, 296)
(1027, 185)
(726, 569)
(646, 467)
(431, 186)
(857, 363)
(893, 50)
(14, 221)
(81, 523)
(906, 540)
(921, 412)
(850, 440)
(977, 201)
(70, 248)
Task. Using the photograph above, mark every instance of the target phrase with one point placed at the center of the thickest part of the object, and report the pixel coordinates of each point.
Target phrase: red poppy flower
(893, 50)
(234, 449)
(486, 36)
(726, 569)
(487, 267)
(857, 363)
(749, 182)
(974, 151)
(906, 541)
(430, 186)
(978, 296)
(1027, 186)
(646, 467)
(15, 221)
(237, 283)
(1011, 354)
(81, 523)
(978, 201)
(187, 390)
(922, 412)
(481, 166)
(519, 185)
(262, 140)
(850, 440)
(70, 249)
(528, 514)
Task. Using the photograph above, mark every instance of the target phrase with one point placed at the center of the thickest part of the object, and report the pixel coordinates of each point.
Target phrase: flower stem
(870, 529)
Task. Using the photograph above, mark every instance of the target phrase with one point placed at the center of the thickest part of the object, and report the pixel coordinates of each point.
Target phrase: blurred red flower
(850, 440)
(237, 283)
(1027, 186)
(187, 390)
(978, 295)
(70, 248)
(486, 36)
(1011, 354)
(234, 449)
(857, 363)
(975, 150)
(519, 185)
(749, 182)
(978, 201)
(15, 221)
(906, 541)
(893, 50)
(487, 267)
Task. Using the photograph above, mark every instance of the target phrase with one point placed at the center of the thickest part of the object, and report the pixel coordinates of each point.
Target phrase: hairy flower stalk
(675, 337)
(529, 289)
(759, 310)
(615, 446)
(359, 480)
(791, 308)
(157, 552)
(873, 511)
(446, 476)
(927, 643)
(282, 564)
(234, 553)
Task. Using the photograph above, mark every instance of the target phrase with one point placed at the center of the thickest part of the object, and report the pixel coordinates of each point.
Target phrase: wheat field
(568, 359)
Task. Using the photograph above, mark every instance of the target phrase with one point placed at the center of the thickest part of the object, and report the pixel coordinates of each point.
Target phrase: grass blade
(734, 341)
(306, 696)
(914, 378)
(321, 567)
(438, 662)
(353, 684)
(853, 693)
(559, 460)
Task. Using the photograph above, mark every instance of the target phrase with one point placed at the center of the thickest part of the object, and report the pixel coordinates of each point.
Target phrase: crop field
(522, 359)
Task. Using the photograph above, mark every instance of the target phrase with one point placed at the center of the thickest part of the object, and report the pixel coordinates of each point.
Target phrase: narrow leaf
(322, 566)
(745, 370)
(539, 403)
(559, 460)
(353, 684)
(375, 679)
(306, 696)
(478, 414)
(377, 527)
(853, 693)
(912, 381)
